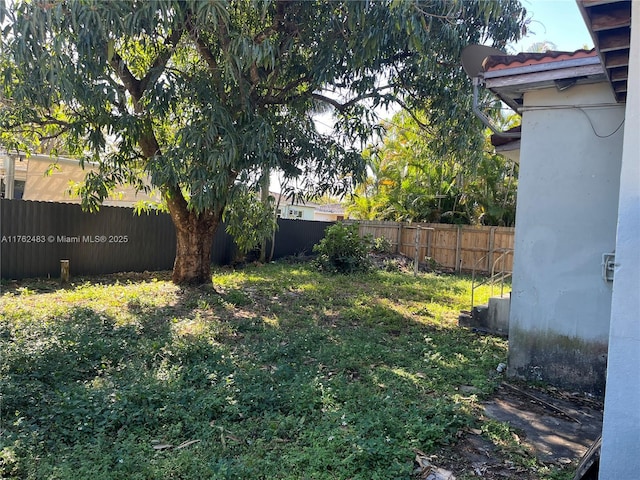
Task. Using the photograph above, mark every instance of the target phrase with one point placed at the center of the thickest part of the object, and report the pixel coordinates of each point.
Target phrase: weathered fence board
(456, 247)
(35, 236)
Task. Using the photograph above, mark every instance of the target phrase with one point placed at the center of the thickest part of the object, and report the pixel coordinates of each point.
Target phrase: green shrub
(343, 250)
(249, 221)
(381, 245)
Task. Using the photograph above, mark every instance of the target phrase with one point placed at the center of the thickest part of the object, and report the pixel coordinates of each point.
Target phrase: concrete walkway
(558, 426)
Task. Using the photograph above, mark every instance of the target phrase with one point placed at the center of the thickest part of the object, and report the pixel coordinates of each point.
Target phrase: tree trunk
(194, 238)
(194, 231)
(192, 265)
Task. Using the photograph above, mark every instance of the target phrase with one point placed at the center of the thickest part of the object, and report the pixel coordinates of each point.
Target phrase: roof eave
(510, 84)
(609, 24)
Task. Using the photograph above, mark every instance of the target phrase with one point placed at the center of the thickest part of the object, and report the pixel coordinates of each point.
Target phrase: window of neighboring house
(295, 213)
(339, 218)
(279, 213)
(18, 189)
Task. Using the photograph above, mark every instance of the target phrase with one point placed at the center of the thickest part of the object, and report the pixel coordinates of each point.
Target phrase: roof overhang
(609, 23)
(509, 77)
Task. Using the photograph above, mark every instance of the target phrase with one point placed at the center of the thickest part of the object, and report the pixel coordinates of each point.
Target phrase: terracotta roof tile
(501, 62)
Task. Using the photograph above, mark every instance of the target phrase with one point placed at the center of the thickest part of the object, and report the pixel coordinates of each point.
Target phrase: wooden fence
(462, 248)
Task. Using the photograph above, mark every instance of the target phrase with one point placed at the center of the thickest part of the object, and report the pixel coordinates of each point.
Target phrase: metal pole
(502, 278)
(10, 176)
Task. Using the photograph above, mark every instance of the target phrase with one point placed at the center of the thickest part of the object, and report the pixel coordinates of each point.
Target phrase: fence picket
(453, 247)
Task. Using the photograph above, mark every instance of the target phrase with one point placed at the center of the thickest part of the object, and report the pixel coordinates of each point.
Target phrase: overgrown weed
(284, 373)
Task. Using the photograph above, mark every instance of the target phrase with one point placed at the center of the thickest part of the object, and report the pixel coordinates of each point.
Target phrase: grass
(283, 373)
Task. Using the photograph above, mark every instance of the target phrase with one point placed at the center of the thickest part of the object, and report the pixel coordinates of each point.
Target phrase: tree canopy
(202, 96)
(410, 180)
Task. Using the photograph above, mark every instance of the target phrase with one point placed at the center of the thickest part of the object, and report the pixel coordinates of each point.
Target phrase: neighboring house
(295, 211)
(13, 176)
(330, 212)
(48, 179)
(290, 209)
(574, 318)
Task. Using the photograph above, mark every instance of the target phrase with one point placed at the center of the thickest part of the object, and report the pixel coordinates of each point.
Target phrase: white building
(574, 317)
(48, 179)
(294, 210)
(570, 153)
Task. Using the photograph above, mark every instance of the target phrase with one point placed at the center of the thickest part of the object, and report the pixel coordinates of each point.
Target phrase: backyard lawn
(281, 372)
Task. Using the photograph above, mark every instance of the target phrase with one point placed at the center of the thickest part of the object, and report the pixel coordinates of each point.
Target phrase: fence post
(492, 242)
(64, 271)
(399, 243)
(458, 266)
(417, 245)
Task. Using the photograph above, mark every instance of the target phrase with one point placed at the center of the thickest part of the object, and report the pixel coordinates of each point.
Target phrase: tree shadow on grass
(44, 285)
(260, 365)
(83, 377)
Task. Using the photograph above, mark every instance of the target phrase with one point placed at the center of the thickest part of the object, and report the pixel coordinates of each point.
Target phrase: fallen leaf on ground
(162, 446)
(186, 444)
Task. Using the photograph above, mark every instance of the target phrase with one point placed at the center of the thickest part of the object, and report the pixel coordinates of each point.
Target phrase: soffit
(609, 23)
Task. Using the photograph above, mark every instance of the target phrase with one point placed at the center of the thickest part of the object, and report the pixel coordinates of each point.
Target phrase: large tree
(204, 95)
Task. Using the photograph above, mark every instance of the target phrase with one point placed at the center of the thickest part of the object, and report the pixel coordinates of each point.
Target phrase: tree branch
(334, 103)
(135, 86)
(163, 57)
(225, 42)
(281, 96)
(266, 33)
(341, 107)
(208, 57)
(412, 114)
(276, 25)
(131, 83)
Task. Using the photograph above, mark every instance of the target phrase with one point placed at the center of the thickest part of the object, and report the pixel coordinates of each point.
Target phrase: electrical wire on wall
(583, 109)
(595, 132)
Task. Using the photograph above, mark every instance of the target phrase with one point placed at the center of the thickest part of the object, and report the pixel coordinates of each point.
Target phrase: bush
(382, 245)
(342, 250)
(249, 221)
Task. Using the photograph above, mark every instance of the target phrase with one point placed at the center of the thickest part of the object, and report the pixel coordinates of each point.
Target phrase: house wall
(566, 219)
(327, 216)
(53, 186)
(621, 429)
(296, 212)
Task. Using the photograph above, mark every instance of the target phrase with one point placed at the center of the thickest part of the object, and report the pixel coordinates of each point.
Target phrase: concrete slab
(557, 427)
(492, 318)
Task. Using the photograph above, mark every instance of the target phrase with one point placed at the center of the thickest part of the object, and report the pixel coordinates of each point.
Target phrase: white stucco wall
(325, 216)
(297, 212)
(566, 219)
(621, 429)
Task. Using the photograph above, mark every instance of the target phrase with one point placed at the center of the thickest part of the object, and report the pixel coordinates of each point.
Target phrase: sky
(557, 21)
